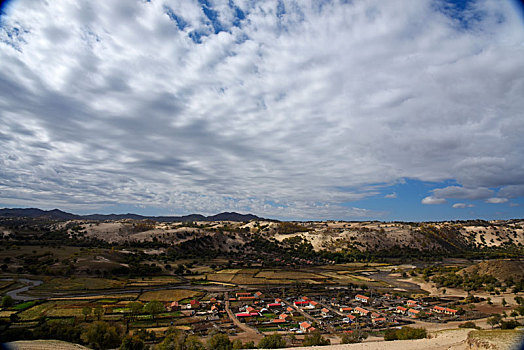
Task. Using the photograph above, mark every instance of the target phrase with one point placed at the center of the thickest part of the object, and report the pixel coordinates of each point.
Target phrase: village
(330, 311)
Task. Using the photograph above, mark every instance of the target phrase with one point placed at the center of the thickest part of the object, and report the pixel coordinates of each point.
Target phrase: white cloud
(391, 195)
(433, 200)
(462, 205)
(113, 103)
(496, 200)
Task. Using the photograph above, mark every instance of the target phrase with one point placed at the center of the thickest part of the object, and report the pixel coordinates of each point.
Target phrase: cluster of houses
(325, 312)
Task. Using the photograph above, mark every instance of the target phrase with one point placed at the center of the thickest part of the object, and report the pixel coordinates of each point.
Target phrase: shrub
(405, 333)
(468, 324)
(273, 341)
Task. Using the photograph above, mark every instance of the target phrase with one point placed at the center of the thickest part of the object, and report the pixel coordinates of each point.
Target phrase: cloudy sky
(366, 109)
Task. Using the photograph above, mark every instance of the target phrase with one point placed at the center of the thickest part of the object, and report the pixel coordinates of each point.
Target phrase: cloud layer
(281, 108)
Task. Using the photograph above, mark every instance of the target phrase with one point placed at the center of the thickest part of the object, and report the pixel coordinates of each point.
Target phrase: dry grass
(295, 275)
(168, 295)
(101, 296)
(44, 345)
(83, 283)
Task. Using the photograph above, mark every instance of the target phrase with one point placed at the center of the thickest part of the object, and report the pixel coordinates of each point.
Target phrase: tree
(273, 341)
(494, 320)
(86, 311)
(135, 307)
(220, 342)
(100, 335)
(7, 301)
(315, 339)
(132, 343)
(98, 311)
(153, 308)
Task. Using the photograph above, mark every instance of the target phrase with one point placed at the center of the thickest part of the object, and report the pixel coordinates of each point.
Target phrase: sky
(298, 110)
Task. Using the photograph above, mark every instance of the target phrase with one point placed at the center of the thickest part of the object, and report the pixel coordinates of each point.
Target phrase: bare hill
(500, 269)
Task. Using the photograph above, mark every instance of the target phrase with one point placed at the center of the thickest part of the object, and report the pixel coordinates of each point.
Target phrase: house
(278, 300)
(243, 295)
(324, 311)
(250, 309)
(349, 318)
(439, 309)
(379, 320)
(411, 303)
(279, 320)
(401, 310)
(213, 300)
(284, 316)
(449, 311)
(214, 308)
(174, 306)
(311, 329)
(259, 295)
(361, 311)
(313, 303)
(301, 303)
(195, 304)
(346, 309)
(362, 298)
(243, 314)
(290, 309)
(375, 315)
(304, 326)
(413, 313)
(245, 298)
(274, 305)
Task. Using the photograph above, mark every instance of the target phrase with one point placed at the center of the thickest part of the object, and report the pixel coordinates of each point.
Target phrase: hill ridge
(58, 214)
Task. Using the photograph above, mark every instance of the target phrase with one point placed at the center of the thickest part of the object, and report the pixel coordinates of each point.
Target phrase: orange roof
(413, 311)
(305, 325)
(324, 310)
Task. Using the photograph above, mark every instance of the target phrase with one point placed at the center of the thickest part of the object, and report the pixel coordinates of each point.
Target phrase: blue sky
(307, 110)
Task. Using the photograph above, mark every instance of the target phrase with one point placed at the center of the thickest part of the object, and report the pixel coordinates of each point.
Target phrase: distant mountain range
(57, 214)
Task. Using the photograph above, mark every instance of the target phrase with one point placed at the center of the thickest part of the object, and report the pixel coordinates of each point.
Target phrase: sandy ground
(446, 340)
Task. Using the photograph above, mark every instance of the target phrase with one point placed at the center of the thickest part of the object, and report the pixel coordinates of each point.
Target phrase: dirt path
(250, 333)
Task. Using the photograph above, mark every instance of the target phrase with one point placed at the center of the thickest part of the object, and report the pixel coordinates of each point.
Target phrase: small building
(375, 315)
(378, 320)
(401, 310)
(346, 309)
(438, 309)
(284, 316)
(301, 303)
(243, 294)
(362, 298)
(313, 303)
(290, 309)
(259, 295)
(361, 311)
(174, 306)
(304, 326)
(278, 320)
(413, 313)
(195, 304)
(245, 298)
(274, 305)
(324, 311)
(450, 311)
(411, 303)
